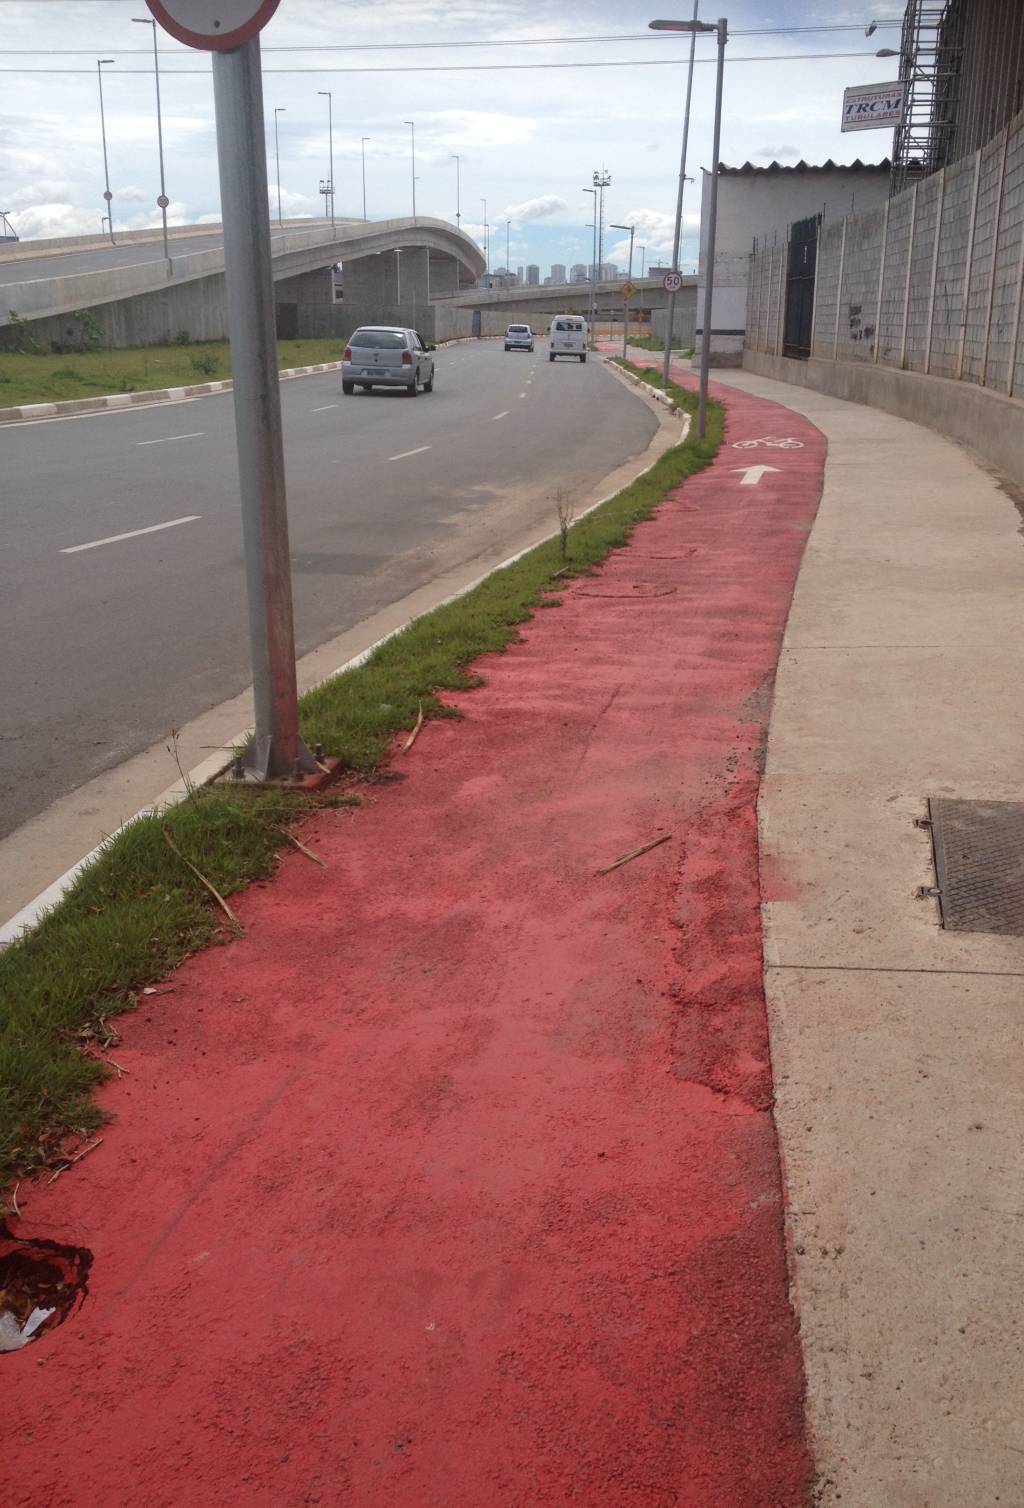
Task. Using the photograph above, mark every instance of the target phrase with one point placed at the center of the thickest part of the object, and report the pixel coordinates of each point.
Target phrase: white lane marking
(112, 539)
(403, 453)
(166, 439)
(324, 409)
(522, 395)
(503, 415)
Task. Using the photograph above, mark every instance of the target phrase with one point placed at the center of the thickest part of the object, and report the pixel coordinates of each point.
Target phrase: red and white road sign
(213, 25)
(672, 282)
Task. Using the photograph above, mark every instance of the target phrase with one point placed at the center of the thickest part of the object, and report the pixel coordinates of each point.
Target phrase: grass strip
(29, 378)
(137, 910)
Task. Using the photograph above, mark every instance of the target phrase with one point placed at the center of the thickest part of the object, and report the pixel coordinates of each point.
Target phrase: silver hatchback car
(387, 356)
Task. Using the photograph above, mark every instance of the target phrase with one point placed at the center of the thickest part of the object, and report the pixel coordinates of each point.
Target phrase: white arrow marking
(753, 474)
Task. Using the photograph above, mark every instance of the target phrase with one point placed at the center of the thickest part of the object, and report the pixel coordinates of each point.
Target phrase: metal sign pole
(276, 750)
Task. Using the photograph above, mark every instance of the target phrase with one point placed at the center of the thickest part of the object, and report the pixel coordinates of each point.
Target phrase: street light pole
(163, 200)
(108, 196)
(363, 142)
(330, 138)
(508, 243)
(643, 257)
(487, 240)
(593, 266)
(412, 127)
(278, 110)
(721, 31)
(677, 233)
(629, 279)
(458, 190)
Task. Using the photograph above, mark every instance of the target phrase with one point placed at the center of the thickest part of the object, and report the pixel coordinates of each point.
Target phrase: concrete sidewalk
(897, 1046)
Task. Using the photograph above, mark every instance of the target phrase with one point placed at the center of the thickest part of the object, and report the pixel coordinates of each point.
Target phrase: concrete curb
(209, 770)
(29, 411)
(654, 392)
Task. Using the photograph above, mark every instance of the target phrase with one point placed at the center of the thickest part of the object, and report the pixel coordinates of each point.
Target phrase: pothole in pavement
(41, 1284)
(634, 591)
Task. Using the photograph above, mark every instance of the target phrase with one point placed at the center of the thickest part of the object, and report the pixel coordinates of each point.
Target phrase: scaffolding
(930, 56)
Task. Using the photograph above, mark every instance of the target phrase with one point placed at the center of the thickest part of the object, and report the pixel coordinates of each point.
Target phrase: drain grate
(979, 864)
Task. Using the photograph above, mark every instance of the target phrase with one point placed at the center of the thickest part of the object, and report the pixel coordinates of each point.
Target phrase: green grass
(137, 911)
(50, 379)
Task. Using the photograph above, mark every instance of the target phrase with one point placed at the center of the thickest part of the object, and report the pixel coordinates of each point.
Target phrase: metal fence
(932, 281)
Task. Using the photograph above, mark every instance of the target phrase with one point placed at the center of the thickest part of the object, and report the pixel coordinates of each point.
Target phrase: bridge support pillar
(372, 279)
(444, 275)
(306, 288)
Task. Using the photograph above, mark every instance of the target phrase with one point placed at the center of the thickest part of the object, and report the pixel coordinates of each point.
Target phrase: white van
(568, 336)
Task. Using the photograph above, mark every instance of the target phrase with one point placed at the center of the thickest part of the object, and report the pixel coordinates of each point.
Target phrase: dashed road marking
(166, 439)
(503, 415)
(324, 409)
(113, 539)
(403, 453)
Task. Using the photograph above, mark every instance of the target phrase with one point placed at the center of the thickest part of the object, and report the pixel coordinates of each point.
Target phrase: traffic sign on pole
(672, 282)
(213, 25)
(628, 290)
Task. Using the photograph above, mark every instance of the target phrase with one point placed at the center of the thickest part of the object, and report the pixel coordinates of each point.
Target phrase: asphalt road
(110, 646)
(99, 258)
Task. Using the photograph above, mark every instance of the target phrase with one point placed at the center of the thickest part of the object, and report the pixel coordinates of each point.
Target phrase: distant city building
(609, 270)
(501, 277)
(558, 272)
(533, 275)
(519, 276)
(578, 272)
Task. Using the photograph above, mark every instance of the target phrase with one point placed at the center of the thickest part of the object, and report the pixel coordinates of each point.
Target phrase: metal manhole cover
(979, 864)
(634, 591)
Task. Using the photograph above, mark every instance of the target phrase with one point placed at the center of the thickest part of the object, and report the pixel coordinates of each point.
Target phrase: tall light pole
(508, 245)
(163, 201)
(643, 257)
(629, 278)
(363, 142)
(330, 138)
(458, 190)
(677, 233)
(601, 182)
(278, 110)
(594, 269)
(108, 196)
(720, 29)
(487, 240)
(412, 127)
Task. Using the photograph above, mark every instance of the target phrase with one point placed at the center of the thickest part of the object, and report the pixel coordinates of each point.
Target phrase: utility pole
(508, 242)
(163, 200)
(458, 190)
(487, 240)
(108, 196)
(363, 142)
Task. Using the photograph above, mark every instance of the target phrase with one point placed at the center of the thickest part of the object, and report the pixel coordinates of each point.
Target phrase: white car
(387, 356)
(519, 338)
(568, 337)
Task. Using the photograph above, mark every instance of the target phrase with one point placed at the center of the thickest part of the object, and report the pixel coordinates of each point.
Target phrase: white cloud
(535, 209)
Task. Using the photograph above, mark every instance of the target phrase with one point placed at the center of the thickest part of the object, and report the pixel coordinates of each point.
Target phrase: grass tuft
(136, 911)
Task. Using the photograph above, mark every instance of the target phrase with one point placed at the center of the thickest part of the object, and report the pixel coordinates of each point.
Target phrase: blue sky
(529, 138)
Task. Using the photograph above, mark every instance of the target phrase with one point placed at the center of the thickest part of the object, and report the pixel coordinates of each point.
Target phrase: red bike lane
(455, 1183)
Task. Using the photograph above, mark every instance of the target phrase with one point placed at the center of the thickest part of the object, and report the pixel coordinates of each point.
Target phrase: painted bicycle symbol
(770, 442)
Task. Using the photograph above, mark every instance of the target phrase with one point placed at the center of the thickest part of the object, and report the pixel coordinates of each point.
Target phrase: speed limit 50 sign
(672, 282)
(213, 25)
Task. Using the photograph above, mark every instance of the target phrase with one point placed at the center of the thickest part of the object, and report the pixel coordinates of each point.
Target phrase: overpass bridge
(537, 305)
(141, 298)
